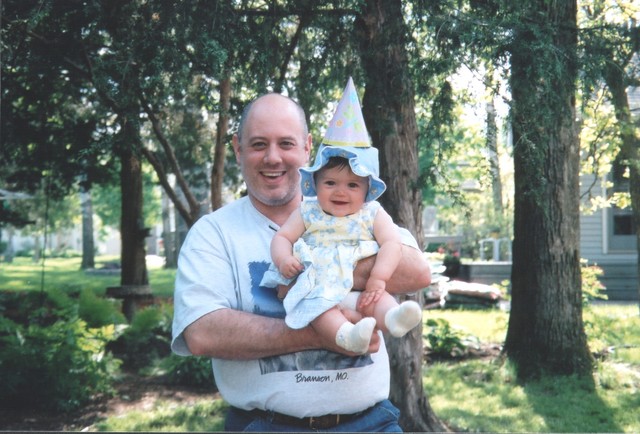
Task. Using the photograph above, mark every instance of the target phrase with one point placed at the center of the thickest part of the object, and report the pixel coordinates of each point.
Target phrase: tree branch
(194, 205)
(168, 188)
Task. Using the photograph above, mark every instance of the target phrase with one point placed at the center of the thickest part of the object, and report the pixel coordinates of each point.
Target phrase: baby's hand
(290, 267)
(372, 293)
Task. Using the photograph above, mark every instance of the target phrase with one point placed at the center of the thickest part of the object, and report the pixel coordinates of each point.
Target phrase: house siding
(620, 268)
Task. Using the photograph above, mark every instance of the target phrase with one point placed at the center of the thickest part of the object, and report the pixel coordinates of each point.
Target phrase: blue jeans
(382, 417)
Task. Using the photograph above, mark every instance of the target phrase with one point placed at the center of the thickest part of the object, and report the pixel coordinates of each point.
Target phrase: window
(621, 228)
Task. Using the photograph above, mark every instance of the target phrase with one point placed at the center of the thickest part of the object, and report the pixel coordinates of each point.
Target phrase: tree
(611, 41)
(545, 331)
(88, 246)
(389, 112)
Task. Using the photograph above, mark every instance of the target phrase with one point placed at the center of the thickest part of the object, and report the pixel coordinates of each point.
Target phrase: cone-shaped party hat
(347, 127)
(347, 137)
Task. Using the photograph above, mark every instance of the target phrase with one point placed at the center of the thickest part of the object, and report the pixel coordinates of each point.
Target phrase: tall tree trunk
(219, 154)
(388, 110)
(630, 150)
(88, 246)
(132, 230)
(546, 332)
(494, 161)
(169, 239)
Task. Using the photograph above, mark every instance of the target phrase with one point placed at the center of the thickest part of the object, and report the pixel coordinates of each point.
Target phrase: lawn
(479, 395)
(482, 395)
(65, 274)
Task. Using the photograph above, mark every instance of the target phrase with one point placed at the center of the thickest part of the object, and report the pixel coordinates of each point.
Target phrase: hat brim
(363, 162)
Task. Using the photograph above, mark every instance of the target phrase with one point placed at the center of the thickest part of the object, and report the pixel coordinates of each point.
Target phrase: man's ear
(236, 147)
(308, 146)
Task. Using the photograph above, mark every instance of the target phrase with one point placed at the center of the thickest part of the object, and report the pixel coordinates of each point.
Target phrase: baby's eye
(329, 183)
(354, 185)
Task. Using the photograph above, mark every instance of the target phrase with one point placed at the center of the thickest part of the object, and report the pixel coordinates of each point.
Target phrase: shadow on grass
(571, 404)
(206, 415)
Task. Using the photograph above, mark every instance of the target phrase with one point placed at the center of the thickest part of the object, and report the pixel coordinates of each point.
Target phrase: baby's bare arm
(282, 245)
(387, 259)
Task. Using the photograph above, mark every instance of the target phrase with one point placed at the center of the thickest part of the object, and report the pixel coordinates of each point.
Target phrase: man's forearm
(237, 335)
(412, 273)
(232, 334)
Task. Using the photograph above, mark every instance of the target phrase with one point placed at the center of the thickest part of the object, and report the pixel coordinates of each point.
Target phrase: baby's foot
(403, 318)
(356, 337)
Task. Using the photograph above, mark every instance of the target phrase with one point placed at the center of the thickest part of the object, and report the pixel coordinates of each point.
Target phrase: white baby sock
(403, 318)
(356, 337)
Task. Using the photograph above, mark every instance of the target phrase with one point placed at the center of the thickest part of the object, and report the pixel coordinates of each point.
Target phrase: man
(275, 378)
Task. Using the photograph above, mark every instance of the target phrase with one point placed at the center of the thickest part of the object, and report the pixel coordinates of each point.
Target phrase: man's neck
(277, 214)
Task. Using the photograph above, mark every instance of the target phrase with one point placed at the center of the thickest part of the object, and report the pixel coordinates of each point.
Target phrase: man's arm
(412, 273)
(232, 334)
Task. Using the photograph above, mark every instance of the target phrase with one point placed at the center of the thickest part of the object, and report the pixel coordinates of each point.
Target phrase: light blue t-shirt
(221, 264)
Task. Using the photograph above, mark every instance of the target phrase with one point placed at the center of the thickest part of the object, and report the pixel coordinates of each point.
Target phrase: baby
(321, 242)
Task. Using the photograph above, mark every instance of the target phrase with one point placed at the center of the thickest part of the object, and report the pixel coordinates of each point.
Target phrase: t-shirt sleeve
(405, 236)
(204, 281)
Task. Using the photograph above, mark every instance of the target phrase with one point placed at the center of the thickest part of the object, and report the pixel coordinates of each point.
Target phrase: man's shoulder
(230, 210)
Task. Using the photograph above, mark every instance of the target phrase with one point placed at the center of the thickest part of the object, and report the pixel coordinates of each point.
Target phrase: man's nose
(272, 154)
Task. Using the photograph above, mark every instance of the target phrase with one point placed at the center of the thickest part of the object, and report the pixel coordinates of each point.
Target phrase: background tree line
(92, 91)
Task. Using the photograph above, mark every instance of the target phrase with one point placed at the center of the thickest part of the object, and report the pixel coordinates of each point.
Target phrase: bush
(444, 340)
(98, 311)
(58, 367)
(592, 288)
(188, 371)
(146, 339)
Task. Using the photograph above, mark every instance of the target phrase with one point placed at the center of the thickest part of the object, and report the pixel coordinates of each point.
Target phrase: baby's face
(340, 191)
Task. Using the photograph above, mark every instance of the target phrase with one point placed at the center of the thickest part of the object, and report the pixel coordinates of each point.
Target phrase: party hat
(347, 137)
(347, 127)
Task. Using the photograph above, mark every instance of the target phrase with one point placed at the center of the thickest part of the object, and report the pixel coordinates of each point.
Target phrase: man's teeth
(273, 174)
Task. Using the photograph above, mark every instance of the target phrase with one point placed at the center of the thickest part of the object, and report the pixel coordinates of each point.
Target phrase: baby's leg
(393, 318)
(351, 337)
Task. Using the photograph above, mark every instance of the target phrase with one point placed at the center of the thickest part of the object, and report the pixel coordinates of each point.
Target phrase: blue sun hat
(347, 137)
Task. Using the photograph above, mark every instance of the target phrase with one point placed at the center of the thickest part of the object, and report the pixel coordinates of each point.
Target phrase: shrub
(591, 286)
(146, 339)
(98, 311)
(187, 371)
(444, 340)
(58, 367)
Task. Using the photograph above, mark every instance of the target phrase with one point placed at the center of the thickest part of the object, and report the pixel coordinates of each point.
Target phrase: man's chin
(273, 199)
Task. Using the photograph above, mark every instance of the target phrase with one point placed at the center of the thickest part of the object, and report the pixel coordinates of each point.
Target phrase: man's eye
(258, 145)
(287, 144)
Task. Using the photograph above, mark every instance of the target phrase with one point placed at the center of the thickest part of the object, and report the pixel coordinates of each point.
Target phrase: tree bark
(545, 331)
(132, 230)
(388, 110)
(494, 160)
(630, 136)
(219, 154)
(88, 246)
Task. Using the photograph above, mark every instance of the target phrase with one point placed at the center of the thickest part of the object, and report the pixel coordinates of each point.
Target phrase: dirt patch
(132, 393)
(485, 351)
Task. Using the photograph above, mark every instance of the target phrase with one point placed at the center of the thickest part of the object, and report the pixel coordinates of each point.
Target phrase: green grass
(204, 415)
(473, 395)
(65, 274)
(483, 396)
(487, 325)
